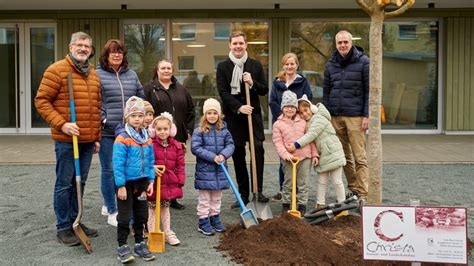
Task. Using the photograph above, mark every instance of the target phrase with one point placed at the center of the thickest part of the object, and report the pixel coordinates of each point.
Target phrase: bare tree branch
(400, 10)
(310, 43)
(363, 5)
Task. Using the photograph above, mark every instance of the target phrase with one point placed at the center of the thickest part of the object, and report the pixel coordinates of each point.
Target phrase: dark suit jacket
(238, 123)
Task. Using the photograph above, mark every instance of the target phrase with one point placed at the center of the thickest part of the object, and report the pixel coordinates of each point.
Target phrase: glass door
(26, 50)
(10, 118)
(40, 40)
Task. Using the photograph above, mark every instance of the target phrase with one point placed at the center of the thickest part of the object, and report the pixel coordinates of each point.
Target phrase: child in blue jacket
(134, 175)
(212, 144)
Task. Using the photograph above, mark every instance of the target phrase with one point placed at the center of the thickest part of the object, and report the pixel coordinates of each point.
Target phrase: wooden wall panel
(459, 96)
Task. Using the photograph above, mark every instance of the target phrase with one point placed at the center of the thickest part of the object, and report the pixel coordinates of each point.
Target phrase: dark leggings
(137, 202)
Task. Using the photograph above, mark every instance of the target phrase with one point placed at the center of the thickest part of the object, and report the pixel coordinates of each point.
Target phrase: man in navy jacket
(346, 96)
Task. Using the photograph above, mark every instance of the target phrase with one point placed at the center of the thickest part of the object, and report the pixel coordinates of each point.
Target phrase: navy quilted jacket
(300, 86)
(346, 84)
(116, 88)
(205, 146)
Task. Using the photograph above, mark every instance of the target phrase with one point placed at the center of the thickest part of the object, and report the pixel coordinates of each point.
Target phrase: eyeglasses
(343, 42)
(80, 45)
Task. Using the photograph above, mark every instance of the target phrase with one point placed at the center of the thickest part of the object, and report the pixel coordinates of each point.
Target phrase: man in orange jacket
(52, 102)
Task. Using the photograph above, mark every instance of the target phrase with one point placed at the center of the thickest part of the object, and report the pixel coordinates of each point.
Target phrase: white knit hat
(211, 104)
(289, 98)
(134, 105)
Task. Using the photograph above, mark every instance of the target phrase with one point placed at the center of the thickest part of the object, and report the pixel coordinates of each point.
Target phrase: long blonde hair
(281, 74)
(205, 127)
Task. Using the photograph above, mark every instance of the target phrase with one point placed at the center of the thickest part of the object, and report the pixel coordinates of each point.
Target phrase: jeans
(107, 182)
(65, 193)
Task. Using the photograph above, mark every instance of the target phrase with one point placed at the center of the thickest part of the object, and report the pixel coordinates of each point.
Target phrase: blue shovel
(247, 215)
(76, 225)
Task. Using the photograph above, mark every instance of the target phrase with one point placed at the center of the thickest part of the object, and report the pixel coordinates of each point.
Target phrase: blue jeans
(65, 193)
(107, 181)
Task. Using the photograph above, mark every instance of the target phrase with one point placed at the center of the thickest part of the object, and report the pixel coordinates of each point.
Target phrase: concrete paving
(405, 149)
(436, 169)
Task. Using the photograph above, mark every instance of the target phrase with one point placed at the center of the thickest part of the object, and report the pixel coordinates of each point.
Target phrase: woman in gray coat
(118, 84)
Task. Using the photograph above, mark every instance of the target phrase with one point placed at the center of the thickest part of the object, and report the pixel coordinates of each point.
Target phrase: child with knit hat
(288, 128)
(212, 144)
(170, 153)
(322, 133)
(134, 175)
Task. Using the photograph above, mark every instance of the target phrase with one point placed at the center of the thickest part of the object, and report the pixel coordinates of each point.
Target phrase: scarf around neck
(139, 138)
(81, 68)
(237, 73)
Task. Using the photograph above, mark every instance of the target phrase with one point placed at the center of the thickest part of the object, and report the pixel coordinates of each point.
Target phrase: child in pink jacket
(286, 130)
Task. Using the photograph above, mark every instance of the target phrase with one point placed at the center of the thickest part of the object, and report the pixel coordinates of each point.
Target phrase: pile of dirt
(286, 240)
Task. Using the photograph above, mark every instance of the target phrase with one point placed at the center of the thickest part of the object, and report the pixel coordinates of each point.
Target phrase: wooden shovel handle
(251, 141)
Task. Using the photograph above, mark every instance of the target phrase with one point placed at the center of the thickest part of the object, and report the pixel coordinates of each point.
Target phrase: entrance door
(26, 49)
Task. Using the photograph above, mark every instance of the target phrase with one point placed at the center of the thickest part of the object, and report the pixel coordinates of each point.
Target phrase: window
(146, 46)
(407, 32)
(221, 31)
(196, 63)
(187, 32)
(218, 59)
(410, 66)
(185, 63)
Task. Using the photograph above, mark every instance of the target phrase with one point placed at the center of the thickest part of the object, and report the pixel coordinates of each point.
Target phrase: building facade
(428, 66)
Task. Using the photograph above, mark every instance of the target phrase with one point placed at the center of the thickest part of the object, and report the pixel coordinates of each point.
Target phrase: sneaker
(216, 223)
(141, 250)
(277, 196)
(262, 198)
(205, 227)
(124, 254)
(112, 219)
(176, 205)
(68, 238)
(89, 231)
(236, 204)
(171, 239)
(104, 211)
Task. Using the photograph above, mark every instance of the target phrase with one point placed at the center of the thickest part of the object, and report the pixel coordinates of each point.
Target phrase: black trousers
(241, 172)
(136, 201)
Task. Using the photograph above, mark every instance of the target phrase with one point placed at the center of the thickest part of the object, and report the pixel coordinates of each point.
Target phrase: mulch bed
(285, 240)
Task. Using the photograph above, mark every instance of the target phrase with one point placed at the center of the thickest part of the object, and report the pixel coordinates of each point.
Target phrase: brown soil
(285, 240)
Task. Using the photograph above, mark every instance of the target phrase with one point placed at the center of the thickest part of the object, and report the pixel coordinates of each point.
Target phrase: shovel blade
(248, 218)
(261, 210)
(296, 214)
(82, 237)
(156, 242)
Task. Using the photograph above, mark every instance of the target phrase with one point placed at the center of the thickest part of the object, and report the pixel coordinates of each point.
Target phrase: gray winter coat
(322, 132)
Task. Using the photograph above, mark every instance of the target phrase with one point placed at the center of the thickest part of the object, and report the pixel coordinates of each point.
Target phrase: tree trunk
(374, 147)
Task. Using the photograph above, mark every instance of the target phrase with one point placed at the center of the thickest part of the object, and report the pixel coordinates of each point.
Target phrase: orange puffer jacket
(52, 101)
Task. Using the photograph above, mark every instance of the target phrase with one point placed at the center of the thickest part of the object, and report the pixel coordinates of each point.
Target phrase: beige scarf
(237, 73)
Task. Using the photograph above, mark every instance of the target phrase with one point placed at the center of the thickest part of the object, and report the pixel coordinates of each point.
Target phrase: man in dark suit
(232, 74)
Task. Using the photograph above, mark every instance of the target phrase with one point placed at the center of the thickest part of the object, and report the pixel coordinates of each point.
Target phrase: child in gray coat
(332, 158)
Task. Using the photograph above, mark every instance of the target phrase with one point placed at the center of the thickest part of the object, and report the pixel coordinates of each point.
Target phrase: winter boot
(205, 227)
(124, 254)
(285, 207)
(302, 209)
(68, 238)
(216, 223)
(141, 250)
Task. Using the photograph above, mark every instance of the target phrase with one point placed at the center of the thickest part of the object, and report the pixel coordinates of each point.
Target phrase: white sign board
(424, 234)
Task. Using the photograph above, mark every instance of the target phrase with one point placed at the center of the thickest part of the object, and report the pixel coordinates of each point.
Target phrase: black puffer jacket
(346, 84)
